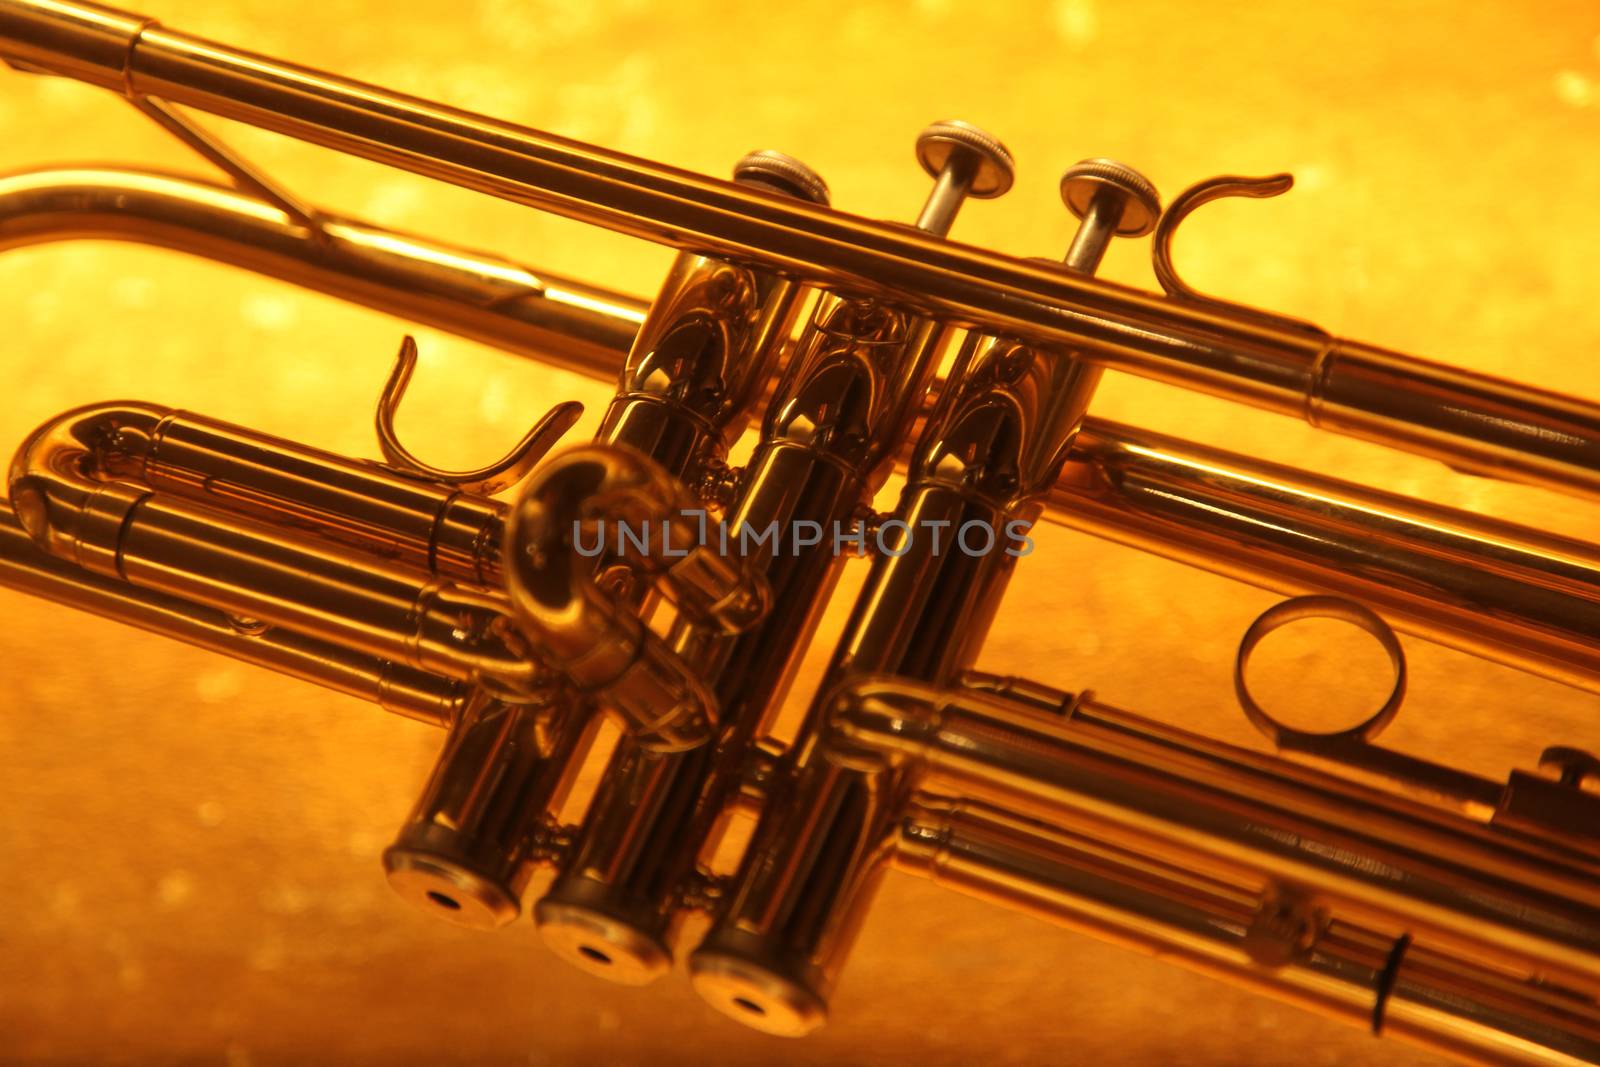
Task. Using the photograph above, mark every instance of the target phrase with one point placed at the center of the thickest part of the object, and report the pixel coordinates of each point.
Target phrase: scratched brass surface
(189, 847)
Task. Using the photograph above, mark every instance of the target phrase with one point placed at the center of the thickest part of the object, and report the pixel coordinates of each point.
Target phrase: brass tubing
(1468, 420)
(1202, 506)
(383, 512)
(1491, 588)
(473, 294)
(1487, 587)
(212, 557)
(1431, 571)
(1455, 884)
(1434, 791)
(247, 568)
(368, 506)
(1452, 1005)
(412, 693)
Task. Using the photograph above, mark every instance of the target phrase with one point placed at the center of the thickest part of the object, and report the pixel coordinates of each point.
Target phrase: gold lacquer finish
(610, 634)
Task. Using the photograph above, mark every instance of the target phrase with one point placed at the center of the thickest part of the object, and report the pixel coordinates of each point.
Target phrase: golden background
(189, 847)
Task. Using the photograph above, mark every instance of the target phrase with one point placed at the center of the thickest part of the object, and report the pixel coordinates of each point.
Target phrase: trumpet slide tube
(1472, 421)
(414, 694)
(1365, 976)
(1491, 588)
(67, 494)
(1227, 860)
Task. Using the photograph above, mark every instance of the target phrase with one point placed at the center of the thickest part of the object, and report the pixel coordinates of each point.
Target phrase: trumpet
(645, 580)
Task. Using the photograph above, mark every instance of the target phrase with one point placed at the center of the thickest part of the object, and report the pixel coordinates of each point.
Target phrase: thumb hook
(508, 471)
(1198, 195)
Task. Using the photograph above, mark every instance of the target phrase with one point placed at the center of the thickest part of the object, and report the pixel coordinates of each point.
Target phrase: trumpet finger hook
(503, 473)
(1199, 195)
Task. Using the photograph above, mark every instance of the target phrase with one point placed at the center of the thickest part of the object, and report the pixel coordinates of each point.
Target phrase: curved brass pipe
(390, 514)
(472, 294)
(63, 486)
(594, 638)
(68, 491)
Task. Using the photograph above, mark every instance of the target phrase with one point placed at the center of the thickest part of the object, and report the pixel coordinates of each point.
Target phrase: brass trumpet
(1412, 898)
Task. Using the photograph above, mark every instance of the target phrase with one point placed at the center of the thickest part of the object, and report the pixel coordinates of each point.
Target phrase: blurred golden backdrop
(190, 846)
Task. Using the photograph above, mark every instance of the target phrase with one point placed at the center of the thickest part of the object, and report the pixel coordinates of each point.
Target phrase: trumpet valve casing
(466, 852)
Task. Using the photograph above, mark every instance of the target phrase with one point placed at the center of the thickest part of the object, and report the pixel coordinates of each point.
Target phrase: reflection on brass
(1406, 895)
